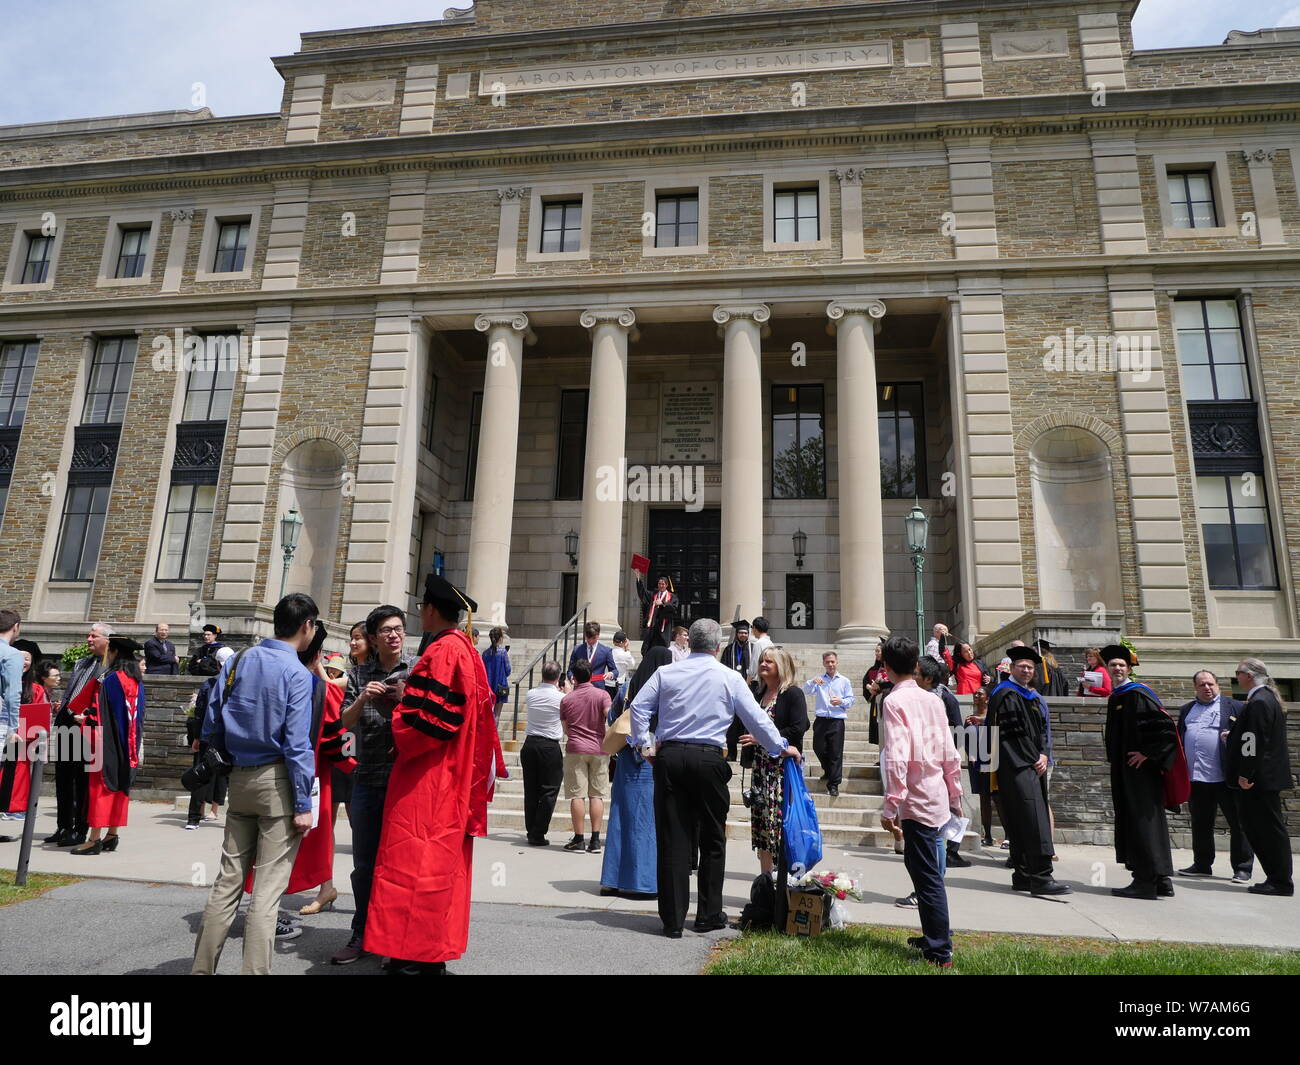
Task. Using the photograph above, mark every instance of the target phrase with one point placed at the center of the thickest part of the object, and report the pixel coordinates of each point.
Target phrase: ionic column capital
(873, 309)
(516, 320)
(725, 312)
(620, 316)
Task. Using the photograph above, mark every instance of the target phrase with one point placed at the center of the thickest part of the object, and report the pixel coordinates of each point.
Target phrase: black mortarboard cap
(1116, 650)
(30, 646)
(124, 645)
(438, 590)
(1018, 653)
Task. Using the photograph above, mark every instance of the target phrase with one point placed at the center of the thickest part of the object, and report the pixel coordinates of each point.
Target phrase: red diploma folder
(641, 564)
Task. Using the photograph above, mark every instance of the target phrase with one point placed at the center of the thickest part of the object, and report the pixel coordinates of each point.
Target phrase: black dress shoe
(1020, 883)
(73, 840)
(95, 848)
(1270, 889)
(1052, 887)
(1191, 870)
(956, 861)
(833, 791)
(673, 933)
(1139, 889)
(710, 924)
(1165, 887)
(56, 839)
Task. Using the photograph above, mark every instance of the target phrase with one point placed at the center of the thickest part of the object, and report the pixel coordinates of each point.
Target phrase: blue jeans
(367, 819)
(924, 857)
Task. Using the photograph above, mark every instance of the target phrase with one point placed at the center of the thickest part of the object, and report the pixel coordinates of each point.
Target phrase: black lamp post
(571, 546)
(290, 529)
(918, 535)
(800, 539)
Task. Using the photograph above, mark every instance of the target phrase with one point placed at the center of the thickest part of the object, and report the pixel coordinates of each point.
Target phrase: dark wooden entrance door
(686, 547)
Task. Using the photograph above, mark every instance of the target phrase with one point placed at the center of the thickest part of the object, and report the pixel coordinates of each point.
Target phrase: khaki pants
(259, 830)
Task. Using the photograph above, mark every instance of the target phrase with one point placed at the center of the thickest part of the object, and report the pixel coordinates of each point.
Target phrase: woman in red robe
(448, 758)
(111, 713)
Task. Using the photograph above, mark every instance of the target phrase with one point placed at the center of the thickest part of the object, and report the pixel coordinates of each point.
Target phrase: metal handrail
(573, 627)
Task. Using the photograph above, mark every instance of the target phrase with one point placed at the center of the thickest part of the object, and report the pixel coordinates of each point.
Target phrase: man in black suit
(1202, 725)
(1257, 762)
(160, 652)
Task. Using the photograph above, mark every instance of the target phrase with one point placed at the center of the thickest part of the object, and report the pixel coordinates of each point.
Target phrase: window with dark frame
(36, 263)
(901, 413)
(1233, 513)
(572, 458)
(110, 381)
(1211, 349)
(1191, 199)
(795, 215)
(798, 442)
(232, 245)
(81, 532)
(568, 596)
(210, 383)
(471, 451)
(17, 367)
(677, 219)
(187, 534)
(430, 409)
(799, 594)
(561, 225)
(133, 249)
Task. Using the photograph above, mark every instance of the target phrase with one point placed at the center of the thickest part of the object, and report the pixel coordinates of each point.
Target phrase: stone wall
(1080, 792)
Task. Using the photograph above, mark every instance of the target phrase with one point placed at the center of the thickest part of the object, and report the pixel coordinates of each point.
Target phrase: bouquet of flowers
(838, 886)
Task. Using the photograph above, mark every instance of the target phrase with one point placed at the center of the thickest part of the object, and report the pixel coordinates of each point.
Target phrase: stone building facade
(728, 283)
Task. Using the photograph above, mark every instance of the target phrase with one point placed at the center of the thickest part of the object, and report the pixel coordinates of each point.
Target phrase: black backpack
(760, 912)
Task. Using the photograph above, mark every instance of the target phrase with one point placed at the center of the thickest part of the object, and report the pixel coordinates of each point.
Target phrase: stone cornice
(646, 140)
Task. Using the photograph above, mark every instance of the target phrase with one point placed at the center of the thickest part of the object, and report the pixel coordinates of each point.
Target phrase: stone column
(852, 242)
(600, 543)
(862, 539)
(1268, 217)
(742, 459)
(494, 479)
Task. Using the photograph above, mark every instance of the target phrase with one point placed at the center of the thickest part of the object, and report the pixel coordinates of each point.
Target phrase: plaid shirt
(373, 730)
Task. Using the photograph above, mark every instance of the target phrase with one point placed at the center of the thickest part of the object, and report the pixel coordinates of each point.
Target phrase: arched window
(1076, 538)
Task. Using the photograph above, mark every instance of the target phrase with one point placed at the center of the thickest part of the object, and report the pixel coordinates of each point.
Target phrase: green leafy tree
(799, 472)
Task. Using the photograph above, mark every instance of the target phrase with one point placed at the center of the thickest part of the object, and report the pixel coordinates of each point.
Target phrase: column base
(860, 634)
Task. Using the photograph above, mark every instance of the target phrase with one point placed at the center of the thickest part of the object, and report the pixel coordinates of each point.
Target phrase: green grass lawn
(37, 884)
(871, 949)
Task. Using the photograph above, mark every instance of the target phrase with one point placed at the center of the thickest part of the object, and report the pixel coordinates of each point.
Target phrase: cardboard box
(809, 913)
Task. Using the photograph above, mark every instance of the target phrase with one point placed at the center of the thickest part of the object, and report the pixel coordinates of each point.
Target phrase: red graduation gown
(16, 777)
(448, 758)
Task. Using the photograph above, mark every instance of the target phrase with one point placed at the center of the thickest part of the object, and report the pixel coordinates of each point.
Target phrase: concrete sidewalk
(155, 849)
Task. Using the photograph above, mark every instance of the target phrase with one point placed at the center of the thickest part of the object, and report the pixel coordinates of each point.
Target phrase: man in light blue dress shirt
(1203, 723)
(696, 699)
(11, 675)
(834, 695)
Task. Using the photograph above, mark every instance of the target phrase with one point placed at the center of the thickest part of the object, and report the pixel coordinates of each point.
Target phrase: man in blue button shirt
(261, 719)
(1203, 723)
(834, 695)
(696, 699)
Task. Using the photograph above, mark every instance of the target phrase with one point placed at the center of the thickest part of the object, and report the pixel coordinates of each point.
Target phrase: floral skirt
(765, 825)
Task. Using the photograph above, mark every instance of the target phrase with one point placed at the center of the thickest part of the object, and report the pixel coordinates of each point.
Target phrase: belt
(692, 743)
(261, 765)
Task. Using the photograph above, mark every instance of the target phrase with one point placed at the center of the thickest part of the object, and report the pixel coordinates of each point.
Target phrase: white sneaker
(190, 826)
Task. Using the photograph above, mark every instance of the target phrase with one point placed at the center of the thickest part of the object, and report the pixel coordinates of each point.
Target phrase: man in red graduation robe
(448, 756)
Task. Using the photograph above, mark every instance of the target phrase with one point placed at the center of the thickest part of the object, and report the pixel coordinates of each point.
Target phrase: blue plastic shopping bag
(803, 835)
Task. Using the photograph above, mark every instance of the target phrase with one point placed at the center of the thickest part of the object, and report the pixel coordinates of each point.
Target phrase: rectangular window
(1191, 199)
(1211, 349)
(80, 533)
(36, 264)
(110, 381)
(561, 225)
(471, 452)
(232, 246)
(677, 220)
(132, 252)
(571, 461)
(188, 532)
(211, 381)
(568, 596)
(798, 442)
(430, 408)
(901, 412)
(17, 365)
(796, 216)
(1234, 527)
(798, 601)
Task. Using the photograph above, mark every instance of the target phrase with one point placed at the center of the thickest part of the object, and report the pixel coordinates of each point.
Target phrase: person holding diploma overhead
(661, 609)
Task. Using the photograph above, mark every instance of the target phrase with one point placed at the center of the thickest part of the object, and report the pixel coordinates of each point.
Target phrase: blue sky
(81, 58)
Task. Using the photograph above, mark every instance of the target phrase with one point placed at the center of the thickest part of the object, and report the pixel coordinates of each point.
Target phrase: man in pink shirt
(922, 777)
(586, 765)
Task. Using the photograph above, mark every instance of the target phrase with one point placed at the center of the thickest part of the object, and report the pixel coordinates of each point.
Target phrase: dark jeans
(921, 857)
(828, 746)
(367, 818)
(1265, 826)
(542, 761)
(691, 796)
(1205, 801)
(72, 794)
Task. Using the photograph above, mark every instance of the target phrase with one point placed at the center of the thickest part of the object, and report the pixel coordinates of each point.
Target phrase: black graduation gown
(1135, 721)
(1048, 681)
(1022, 739)
(660, 634)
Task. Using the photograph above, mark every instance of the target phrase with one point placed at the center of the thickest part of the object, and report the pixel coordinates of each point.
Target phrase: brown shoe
(348, 954)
